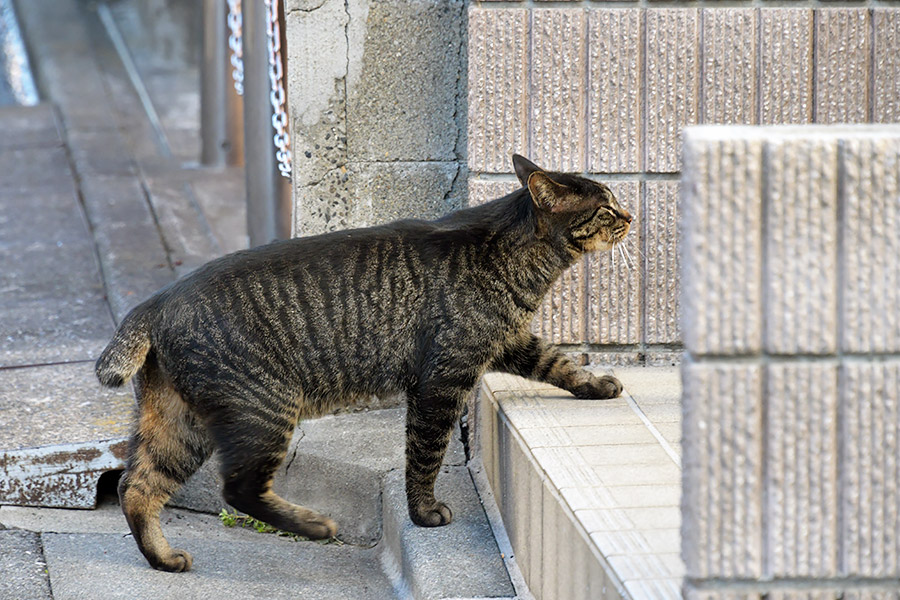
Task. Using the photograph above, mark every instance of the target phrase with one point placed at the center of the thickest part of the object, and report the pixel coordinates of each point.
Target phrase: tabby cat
(231, 356)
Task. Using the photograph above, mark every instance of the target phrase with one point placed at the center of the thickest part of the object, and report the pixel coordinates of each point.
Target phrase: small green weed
(235, 519)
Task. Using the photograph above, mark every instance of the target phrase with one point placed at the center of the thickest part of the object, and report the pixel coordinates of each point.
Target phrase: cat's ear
(546, 193)
(524, 168)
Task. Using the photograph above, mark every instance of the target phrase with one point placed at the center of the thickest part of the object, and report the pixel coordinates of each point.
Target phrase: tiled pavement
(589, 490)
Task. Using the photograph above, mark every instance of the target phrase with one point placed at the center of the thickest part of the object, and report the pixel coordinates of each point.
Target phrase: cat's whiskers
(624, 256)
(627, 253)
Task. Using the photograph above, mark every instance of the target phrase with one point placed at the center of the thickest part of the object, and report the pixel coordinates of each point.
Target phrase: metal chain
(235, 26)
(277, 96)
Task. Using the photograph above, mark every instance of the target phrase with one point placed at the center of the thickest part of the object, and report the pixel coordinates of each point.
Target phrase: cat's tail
(125, 353)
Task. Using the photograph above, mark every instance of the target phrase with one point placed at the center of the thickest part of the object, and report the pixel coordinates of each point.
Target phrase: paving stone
(25, 126)
(692, 593)
(22, 563)
(334, 465)
(624, 454)
(63, 431)
(53, 296)
(100, 152)
(628, 496)
(81, 409)
(132, 256)
(33, 170)
(80, 565)
(654, 588)
(439, 562)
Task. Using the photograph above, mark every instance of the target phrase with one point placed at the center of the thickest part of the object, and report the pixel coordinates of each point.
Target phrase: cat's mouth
(602, 242)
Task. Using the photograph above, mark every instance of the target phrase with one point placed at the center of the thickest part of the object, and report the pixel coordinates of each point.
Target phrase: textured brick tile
(842, 59)
(614, 101)
(886, 102)
(801, 245)
(661, 274)
(614, 280)
(497, 97)
(721, 243)
(481, 191)
(624, 454)
(559, 52)
(560, 318)
(729, 65)
(722, 463)
(801, 472)
(654, 589)
(785, 94)
(870, 406)
(621, 542)
(671, 85)
(871, 320)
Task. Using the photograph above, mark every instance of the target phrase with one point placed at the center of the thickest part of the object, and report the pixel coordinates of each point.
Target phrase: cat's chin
(598, 246)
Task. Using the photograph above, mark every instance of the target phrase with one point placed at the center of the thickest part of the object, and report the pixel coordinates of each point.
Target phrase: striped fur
(233, 355)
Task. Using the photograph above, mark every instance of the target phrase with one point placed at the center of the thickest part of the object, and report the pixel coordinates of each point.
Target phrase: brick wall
(605, 91)
(791, 442)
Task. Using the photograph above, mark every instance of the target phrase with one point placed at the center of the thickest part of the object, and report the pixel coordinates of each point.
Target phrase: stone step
(91, 554)
(458, 560)
(589, 491)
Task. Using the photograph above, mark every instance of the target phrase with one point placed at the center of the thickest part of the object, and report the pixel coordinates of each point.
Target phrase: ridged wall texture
(791, 439)
(606, 91)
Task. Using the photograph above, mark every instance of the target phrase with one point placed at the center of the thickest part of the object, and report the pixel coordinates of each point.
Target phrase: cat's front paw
(598, 388)
(431, 514)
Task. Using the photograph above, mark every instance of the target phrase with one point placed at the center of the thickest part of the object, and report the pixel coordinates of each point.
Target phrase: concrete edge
(486, 393)
(58, 476)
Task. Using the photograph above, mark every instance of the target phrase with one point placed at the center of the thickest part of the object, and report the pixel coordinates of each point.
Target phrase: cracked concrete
(378, 111)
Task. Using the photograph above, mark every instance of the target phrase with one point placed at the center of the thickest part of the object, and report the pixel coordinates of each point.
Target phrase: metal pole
(213, 82)
(221, 118)
(268, 193)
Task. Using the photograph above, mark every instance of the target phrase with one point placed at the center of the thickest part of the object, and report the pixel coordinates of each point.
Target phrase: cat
(231, 356)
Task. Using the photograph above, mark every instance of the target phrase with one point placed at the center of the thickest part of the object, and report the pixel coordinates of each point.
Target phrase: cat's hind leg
(169, 444)
(253, 443)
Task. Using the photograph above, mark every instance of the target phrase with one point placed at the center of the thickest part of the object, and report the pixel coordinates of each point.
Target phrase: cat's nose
(627, 216)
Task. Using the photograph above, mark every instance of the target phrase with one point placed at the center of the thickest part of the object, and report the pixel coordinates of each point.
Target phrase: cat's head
(583, 212)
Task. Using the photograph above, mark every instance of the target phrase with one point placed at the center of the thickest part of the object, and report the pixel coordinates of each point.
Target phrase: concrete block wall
(605, 89)
(377, 101)
(791, 322)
